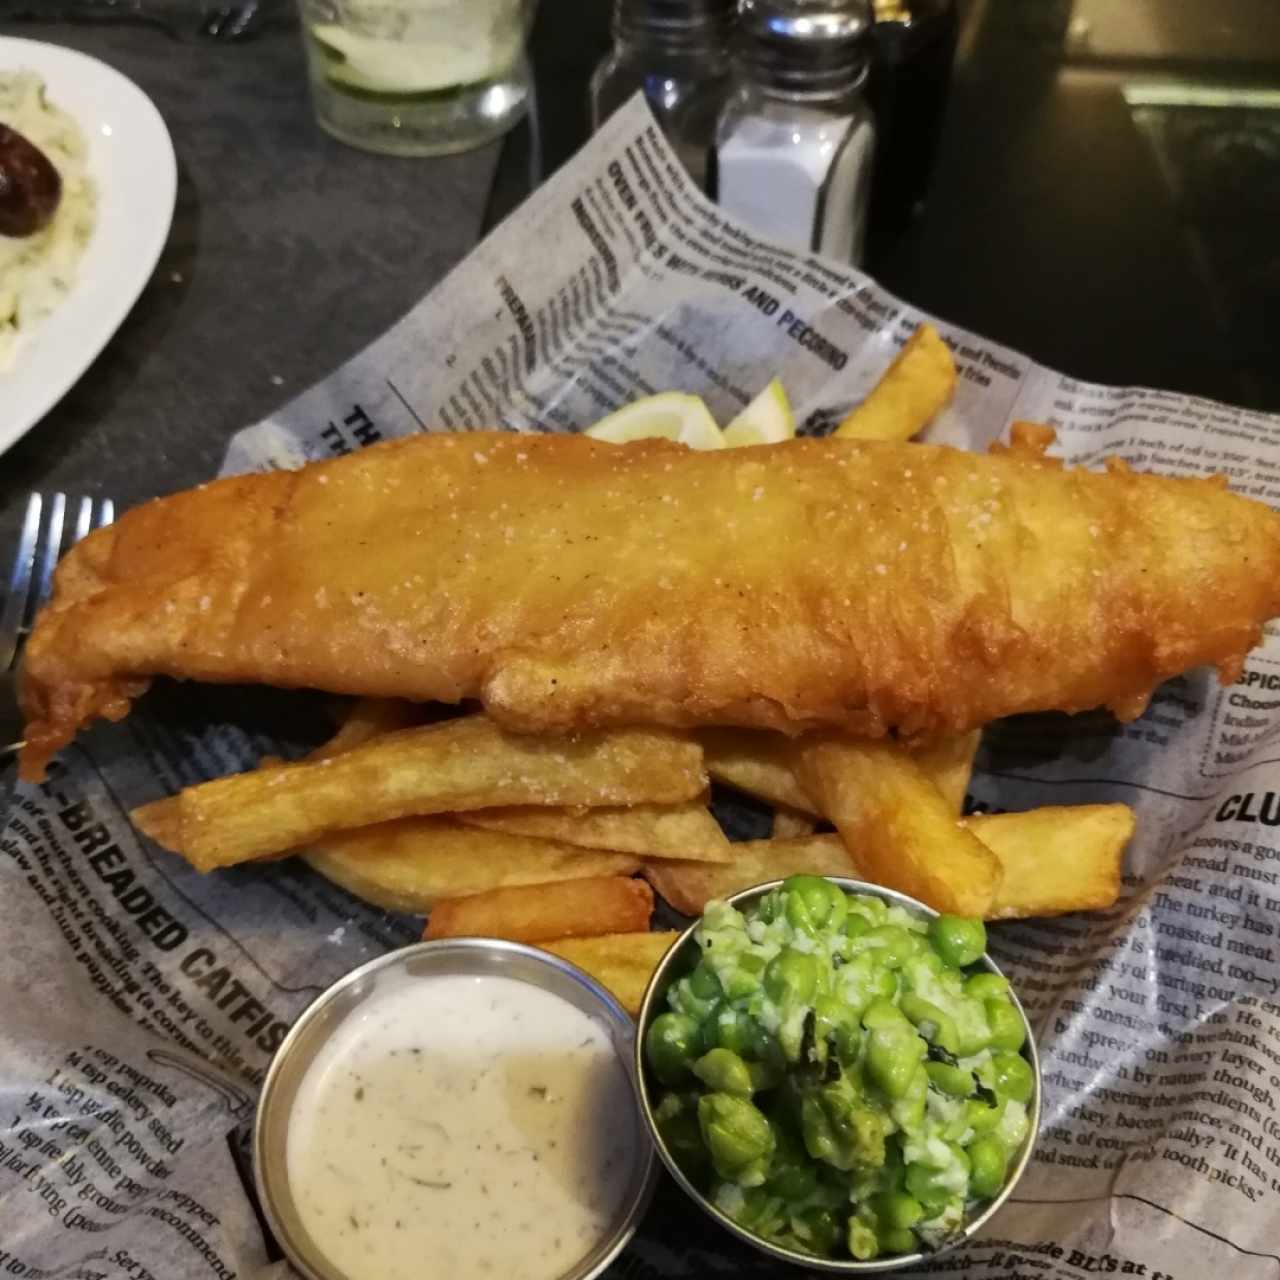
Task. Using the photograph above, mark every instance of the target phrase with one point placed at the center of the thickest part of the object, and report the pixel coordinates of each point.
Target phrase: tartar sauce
(461, 1126)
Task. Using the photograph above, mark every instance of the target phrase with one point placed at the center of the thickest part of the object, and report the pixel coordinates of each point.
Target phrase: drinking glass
(416, 77)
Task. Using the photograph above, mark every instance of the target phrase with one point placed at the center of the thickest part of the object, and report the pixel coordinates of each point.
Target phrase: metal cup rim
(632, 1209)
(653, 995)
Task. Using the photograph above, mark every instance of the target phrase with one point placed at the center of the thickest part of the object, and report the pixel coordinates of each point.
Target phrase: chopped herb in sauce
(507, 1119)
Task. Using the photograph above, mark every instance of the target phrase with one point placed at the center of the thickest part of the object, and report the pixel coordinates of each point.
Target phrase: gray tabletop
(288, 253)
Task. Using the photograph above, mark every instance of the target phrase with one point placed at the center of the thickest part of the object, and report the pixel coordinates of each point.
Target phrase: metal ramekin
(425, 960)
(682, 957)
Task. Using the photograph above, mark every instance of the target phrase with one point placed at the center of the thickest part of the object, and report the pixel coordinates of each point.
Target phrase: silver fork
(231, 21)
(49, 527)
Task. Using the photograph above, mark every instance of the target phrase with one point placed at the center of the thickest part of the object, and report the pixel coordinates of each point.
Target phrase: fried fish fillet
(568, 583)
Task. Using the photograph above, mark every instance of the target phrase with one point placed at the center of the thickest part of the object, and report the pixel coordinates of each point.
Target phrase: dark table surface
(288, 253)
(1114, 241)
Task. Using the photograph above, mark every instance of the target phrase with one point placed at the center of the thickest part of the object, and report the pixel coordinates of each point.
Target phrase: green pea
(765, 1075)
(818, 1230)
(772, 906)
(883, 1014)
(931, 1022)
(1008, 1031)
(893, 1055)
(922, 1183)
(884, 983)
(677, 1121)
(814, 905)
(704, 984)
(863, 981)
(836, 1024)
(908, 1111)
(897, 1209)
(840, 1129)
(738, 1136)
(855, 925)
(959, 941)
(1013, 1076)
(684, 999)
(791, 977)
(930, 1185)
(863, 1242)
(955, 1082)
(989, 1162)
(761, 1213)
(739, 1031)
(929, 961)
(671, 1044)
(983, 986)
(792, 1182)
(894, 945)
(982, 1116)
(896, 1240)
(971, 1026)
(873, 910)
(740, 976)
(725, 1072)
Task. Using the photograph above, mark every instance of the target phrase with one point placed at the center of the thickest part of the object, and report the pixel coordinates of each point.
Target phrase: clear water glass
(416, 77)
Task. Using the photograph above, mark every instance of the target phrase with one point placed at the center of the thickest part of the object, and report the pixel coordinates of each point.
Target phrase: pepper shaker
(677, 53)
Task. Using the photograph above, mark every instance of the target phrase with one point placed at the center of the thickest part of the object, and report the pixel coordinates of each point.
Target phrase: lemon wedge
(673, 415)
(766, 420)
(466, 54)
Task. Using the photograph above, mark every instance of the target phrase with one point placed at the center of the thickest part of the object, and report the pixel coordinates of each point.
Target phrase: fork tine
(84, 514)
(50, 550)
(15, 602)
(106, 514)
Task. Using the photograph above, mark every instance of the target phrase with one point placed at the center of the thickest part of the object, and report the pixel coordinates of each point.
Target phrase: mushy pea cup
(837, 1074)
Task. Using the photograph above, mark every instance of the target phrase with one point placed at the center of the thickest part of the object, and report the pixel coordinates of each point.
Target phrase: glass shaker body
(797, 166)
(682, 68)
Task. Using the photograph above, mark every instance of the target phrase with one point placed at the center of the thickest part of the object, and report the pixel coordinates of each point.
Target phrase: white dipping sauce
(461, 1126)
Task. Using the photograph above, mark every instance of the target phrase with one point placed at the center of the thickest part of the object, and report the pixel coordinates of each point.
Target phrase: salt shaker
(677, 53)
(795, 141)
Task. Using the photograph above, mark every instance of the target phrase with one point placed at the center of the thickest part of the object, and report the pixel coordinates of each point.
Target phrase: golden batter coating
(568, 583)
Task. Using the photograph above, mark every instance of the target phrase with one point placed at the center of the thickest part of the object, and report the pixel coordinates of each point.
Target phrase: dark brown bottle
(915, 42)
(30, 187)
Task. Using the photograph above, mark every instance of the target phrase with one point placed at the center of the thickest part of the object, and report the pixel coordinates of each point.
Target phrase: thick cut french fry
(1056, 859)
(757, 762)
(689, 886)
(915, 387)
(790, 825)
(545, 912)
(621, 962)
(369, 718)
(948, 764)
(414, 863)
(463, 764)
(651, 830)
(897, 825)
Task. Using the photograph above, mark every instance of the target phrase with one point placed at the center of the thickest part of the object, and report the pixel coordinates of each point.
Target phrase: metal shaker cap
(805, 46)
(673, 18)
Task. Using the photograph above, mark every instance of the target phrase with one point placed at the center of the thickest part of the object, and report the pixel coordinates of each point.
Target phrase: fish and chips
(824, 625)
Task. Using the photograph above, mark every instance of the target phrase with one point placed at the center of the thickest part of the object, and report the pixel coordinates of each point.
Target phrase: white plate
(131, 160)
